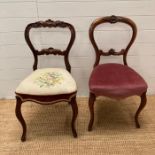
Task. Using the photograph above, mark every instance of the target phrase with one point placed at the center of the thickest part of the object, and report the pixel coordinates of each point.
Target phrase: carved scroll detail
(112, 52)
(113, 19)
(50, 23)
(51, 50)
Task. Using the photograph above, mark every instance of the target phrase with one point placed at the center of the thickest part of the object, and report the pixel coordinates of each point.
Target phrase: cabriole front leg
(20, 117)
(142, 105)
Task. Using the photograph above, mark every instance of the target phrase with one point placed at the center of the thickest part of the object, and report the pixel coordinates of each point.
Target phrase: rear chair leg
(92, 98)
(75, 113)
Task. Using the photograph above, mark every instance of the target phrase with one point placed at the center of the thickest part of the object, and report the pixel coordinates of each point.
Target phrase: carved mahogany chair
(111, 79)
(48, 85)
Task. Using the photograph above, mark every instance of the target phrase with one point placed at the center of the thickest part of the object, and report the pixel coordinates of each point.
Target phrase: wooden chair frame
(48, 99)
(112, 19)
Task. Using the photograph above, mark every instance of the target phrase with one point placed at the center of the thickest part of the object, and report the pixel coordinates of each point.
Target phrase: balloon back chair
(112, 79)
(48, 85)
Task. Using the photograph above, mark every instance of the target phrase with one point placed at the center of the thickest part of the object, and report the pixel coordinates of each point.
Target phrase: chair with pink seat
(111, 79)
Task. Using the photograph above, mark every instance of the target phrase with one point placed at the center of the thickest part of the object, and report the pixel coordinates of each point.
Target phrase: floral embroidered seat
(48, 81)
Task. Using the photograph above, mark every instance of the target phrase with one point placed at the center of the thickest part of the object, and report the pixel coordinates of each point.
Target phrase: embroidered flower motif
(49, 79)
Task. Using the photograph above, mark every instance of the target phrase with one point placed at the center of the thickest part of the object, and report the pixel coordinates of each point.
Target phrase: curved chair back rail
(112, 19)
(50, 23)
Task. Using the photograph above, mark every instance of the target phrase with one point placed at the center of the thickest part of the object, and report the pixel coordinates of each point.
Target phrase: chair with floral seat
(48, 85)
(111, 79)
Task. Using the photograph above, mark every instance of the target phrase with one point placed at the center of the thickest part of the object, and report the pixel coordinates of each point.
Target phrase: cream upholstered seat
(48, 81)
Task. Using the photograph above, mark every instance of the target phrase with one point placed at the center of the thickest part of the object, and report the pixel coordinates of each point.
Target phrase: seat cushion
(116, 81)
(48, 81)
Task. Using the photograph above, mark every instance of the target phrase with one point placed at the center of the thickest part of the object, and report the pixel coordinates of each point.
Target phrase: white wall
(16, 59)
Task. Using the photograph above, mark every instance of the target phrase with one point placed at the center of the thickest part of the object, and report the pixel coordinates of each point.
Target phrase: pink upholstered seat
(116, 81)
